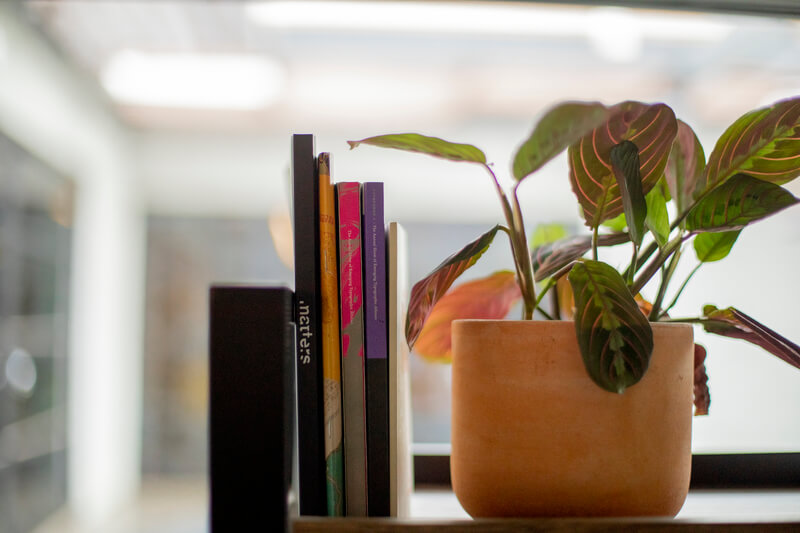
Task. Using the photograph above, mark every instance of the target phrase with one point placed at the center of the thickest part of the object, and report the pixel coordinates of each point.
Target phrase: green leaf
(617, 224)
(739, 201)
(615, 338)
(547, 233)
(414, 142)
(625, 162)
(491, 297)
(657, 220)
(650, 127)
(684, 170)
(429, 290)
(764, 143)
(558, 128)
(548, 259)
(733, 323)
(711, 247)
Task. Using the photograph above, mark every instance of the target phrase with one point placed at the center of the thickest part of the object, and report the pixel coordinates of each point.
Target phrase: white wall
(50, 110)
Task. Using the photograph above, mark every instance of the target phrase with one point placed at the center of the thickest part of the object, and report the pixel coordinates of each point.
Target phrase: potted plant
(592, 416)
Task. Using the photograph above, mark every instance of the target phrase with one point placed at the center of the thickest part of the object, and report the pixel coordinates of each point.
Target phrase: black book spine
(308, 307)
(251, 407)
(376, 348)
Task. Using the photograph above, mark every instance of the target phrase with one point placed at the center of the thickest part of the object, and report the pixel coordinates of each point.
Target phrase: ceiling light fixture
(473, 18)
(193, 81)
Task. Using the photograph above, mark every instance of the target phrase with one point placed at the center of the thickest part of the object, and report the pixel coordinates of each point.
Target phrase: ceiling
(468, 71)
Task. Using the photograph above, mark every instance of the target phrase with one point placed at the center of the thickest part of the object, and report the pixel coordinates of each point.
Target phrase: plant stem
(656, 264)
(680, 290)
(632, 267)
(551, 282)
(666, 276)
(641, 259)
(519, 248)
(595, 237)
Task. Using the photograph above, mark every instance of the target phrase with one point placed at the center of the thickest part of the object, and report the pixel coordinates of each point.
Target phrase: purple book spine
(374, 234)
(376, 348)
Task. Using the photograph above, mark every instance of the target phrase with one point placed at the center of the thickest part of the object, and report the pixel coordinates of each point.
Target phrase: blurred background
(144, 151)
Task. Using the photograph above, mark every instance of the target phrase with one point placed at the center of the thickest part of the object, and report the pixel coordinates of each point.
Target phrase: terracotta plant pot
(533, 435)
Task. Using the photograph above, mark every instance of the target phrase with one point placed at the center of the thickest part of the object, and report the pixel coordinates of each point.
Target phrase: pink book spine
(352, 339)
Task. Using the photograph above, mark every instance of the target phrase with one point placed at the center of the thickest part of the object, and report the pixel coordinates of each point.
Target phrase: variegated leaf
(558, 128)
(733, 323)
(614, 337)
(550, 258)
(685, 166)
(764, 143)
(433, 287)
(488, 298)
(739, 201)
(414, 142)
(651, 127)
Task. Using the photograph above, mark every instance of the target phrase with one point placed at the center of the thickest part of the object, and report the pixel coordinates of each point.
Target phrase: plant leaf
(429, 290)
(764, 143)
(651, 127)
(547, 233)
(617, 224)
(736, 203)
(684, 170)
(615, 338)
(550, 258)
(711, 247)
(702, 398)
(625, 163)
(491, 298)
(558, 128)
(733, 323)
(414, 142)
(657, 220)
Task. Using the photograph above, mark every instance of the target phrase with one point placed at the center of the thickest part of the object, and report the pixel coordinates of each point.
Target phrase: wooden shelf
(571, 525)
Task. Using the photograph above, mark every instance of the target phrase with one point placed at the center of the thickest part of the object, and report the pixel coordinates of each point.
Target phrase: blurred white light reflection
(21, 372)
(195, 81)
(477, 18)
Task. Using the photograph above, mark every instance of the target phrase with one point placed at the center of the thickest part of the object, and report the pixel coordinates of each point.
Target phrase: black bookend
(251, 413)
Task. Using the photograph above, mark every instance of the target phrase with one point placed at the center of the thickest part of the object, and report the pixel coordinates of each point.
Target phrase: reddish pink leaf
(702, 399)
(427, 291)
(488, 298)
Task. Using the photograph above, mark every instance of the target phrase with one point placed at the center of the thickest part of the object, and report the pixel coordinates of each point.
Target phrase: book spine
(376, 348)
(401, 465)
(352, 340)
(331, 360)
(311, 452)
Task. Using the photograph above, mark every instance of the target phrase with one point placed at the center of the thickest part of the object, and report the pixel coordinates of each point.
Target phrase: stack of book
(353, 401)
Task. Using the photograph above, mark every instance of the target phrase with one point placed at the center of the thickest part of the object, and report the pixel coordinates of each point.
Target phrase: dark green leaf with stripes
(764, 143)
(739, 201)
(614, 337)
(651, 127)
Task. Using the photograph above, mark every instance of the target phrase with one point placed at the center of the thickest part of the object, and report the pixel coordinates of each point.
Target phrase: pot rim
(676, 325)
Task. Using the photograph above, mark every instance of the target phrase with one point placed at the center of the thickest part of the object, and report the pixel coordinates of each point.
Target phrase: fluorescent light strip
(195, 81)
(475, 18)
